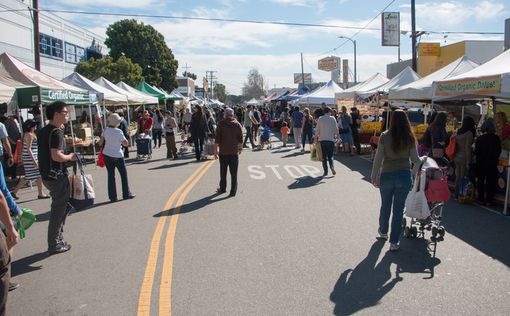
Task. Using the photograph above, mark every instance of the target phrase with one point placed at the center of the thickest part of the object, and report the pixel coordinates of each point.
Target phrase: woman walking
(307, 128)
(170, 126)
(391, 173)
(345, 121)
(113, 139)
(30, 160)
(157, 127)
(198, 127)
(464, 139)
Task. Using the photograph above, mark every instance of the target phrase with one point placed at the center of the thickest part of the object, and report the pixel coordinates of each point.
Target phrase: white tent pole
(72, 133)
(104, 115)
(93, 139)
(462, 113)
(129, 121)
(42, 114)
(505, 209)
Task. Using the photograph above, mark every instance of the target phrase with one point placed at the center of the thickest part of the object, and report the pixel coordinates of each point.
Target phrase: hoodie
(229, 135)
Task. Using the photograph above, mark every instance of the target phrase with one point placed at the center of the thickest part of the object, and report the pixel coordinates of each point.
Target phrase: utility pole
(209, 74)
(37, 57)
(413, 34)
(186, 68)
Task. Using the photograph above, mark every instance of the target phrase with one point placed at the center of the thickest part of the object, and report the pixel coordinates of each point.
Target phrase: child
(285, 130)
(264, 137)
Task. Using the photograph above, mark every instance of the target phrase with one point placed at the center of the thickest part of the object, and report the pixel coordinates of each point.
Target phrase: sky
(233, 48)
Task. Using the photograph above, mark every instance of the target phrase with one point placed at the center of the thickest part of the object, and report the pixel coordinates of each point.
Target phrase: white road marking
(257, 172)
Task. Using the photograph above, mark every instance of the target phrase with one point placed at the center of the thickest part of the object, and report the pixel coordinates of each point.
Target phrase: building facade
(186, 86)
(62, 44)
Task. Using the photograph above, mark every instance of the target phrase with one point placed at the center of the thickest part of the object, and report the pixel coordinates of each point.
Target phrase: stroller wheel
(441, 231)
(413, 232)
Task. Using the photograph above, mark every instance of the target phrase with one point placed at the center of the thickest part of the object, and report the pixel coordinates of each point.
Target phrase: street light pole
(355, 67)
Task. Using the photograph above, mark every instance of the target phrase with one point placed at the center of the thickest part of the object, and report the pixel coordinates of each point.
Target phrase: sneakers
(60, 248)
(13, 286)
(382, 236)
(333, 171)
(394, 247)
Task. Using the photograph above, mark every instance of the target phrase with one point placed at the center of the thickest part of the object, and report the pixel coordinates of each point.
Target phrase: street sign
(298, 77)
(329, 63)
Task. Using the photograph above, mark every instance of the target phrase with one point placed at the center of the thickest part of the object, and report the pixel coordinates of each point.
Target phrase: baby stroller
(425, 203)
(265, 138)
(144, 147)
(186, 143)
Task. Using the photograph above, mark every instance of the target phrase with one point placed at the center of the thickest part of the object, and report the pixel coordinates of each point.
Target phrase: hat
(229, 112)
(114, 119)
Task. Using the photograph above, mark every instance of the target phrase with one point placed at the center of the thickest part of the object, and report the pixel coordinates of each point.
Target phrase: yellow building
(433, 56)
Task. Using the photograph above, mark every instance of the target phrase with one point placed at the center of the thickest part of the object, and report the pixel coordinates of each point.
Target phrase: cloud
(449, 14)
(107, 3)
(319, 4)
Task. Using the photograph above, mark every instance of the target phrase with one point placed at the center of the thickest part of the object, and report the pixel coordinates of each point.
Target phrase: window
(50, 46)
(74, 54)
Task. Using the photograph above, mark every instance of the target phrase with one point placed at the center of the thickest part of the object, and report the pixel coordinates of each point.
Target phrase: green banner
(36, 95)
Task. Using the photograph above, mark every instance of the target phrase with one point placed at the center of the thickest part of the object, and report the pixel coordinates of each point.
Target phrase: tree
(146, 47)
(254, 88)
(189, 75)
(220, 92)
(234, 99)
(121, 70)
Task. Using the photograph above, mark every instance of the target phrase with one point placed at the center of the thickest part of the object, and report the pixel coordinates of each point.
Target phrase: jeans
(355, 139)
(229, 162)
(460, 172)
(297, 136)
(199, 147)
(307, 134)
(394, 187)
(60, 208)
(156, 135)
(171, 150)
(487, 181)
(5, 272)
(328, 148)
(248, 136)
(119, 163)
(13, 207)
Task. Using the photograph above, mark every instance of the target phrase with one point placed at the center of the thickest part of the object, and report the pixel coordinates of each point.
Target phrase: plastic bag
(416, 205)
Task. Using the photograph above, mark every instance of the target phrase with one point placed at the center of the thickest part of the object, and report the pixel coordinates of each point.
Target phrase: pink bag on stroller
(437, 190)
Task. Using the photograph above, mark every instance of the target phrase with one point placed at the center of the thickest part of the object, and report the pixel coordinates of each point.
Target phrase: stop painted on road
(258, 172)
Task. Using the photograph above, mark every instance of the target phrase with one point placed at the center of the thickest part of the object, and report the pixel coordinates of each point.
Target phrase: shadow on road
(305, 182)
(168, 166)
(370, 281)
(24, 265)
(355, 163)
(294, 154)
(195, 205)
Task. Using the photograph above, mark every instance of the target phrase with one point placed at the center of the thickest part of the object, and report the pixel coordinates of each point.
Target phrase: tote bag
(82, 187)
(416, 205)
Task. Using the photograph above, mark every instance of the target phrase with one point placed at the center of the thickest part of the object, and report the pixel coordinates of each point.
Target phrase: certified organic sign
(329, 63)
(485, 85)
(66, 95)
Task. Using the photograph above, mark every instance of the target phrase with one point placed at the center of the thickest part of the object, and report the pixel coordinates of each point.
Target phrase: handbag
(81, 187)
(17, 152)
(100, 159)
(452, 146)
(437, 190)
(319, 152)
(416, 205)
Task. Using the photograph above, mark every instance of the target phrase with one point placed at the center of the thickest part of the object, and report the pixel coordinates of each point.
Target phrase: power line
(245, 21)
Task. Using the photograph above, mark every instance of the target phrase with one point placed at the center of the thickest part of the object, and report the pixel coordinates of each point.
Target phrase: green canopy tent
(150, 90)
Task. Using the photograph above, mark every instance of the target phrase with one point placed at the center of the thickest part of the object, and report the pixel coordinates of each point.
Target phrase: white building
(62, 43)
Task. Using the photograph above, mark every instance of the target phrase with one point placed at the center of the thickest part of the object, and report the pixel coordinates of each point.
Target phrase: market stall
(490, 80)
(324, 94)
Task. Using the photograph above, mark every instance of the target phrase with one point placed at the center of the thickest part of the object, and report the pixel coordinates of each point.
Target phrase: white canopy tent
(131, 98)
(6, 93)
(104, 95)
(371, 83)
(252, 101)
(422, 89)
(491, 79)
(406, 76)
(324, 94)
(147, 99)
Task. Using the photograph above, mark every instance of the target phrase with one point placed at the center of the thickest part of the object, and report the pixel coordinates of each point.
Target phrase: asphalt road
(289, 243)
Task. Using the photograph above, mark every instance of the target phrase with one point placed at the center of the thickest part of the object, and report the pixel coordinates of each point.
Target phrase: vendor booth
(324, 94)
(490, 80)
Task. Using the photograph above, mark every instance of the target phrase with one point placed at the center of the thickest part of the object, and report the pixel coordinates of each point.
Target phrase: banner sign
(298, 77)
(329, 63)
(390, 29)
(429, 49)
(483, 85)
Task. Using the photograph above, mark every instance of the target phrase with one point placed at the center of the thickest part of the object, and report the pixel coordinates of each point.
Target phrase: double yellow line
(165, 288)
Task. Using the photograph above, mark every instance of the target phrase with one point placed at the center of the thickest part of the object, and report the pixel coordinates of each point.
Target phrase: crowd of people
(44, 156)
